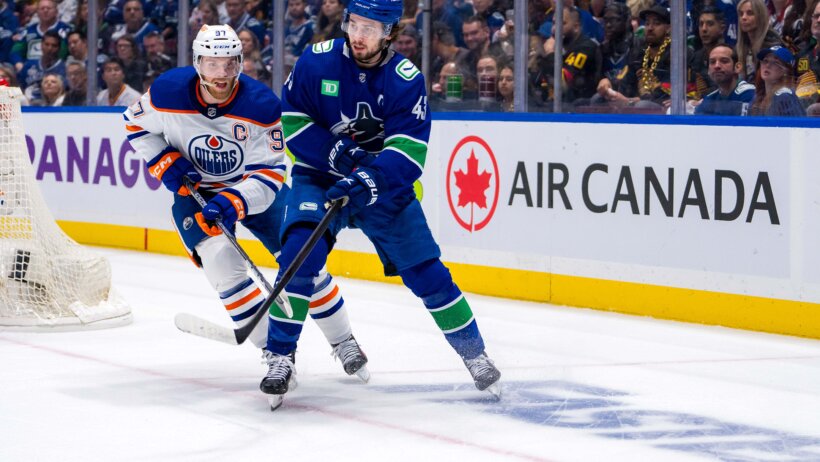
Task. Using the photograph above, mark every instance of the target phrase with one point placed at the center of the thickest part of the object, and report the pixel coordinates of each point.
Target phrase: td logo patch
(330, 87)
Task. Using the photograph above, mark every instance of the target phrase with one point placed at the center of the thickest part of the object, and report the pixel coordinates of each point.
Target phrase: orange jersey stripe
(243, 300)
(134, 128)
(270, 173)
(325, 299)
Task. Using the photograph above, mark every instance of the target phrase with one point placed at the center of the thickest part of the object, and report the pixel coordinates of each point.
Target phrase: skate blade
(275, 401)
(495, 390)
(363, 374)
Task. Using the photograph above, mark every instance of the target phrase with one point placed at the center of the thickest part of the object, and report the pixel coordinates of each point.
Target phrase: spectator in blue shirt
(298, 28)
(8, 26)
(733, 95)
(49, 62)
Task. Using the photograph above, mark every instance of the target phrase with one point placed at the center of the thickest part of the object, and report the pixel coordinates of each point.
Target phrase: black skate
(280, 377)
(352, 357)
(485, 374)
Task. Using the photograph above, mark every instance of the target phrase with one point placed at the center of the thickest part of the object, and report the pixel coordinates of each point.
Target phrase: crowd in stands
(744, 57)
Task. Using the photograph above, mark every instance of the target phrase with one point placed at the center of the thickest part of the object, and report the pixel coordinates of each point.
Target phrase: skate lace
(479, 366)
(346, 350)
(278, 365)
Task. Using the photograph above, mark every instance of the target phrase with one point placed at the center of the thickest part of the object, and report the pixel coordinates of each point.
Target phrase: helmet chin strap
(208, 85)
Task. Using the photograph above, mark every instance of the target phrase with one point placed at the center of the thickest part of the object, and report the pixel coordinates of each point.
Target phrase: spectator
(489, 11)
(806, 34)
(52, 91)
(7, 73)
(78, 50)
(449, 13)
(239, 19)
(329, 21)
(506, 87)
(407, 44)
(733, 95)
(439, 89)
(133, 65)
(617, 84)
(581, 68)
(250, 45)
(477, 37)
(8, 26)
(298, 28)
(254, 69)
(77, 78)
(136, 25)
(487, 72)
(206, 13)
(49, 62)
(117, 92)
(155, 57)
(443, 48)
(777, 14)
(651, 62)
(409, 11)
(66, 10)
(711, 26)
(808, 64)
(28, 46)
(80, 24)
(774, 84)
(755, 34)
(793, 24)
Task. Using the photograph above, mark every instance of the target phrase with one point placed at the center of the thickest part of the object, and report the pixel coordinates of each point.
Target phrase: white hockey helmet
(218, 41)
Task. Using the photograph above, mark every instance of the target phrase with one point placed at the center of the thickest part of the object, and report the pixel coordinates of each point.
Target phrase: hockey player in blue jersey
(355, 118)
(222, 130)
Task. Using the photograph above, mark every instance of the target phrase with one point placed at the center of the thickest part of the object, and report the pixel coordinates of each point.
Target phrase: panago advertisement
(702, 223)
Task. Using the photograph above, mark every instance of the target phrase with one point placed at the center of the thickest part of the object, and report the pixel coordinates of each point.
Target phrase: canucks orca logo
(216, 155)
(365, 128)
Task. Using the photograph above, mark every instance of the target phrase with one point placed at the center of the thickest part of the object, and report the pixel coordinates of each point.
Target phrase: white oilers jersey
(236, 144)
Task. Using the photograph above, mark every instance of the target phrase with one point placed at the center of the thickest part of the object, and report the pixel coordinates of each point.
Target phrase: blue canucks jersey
(383, 109)
(735, 103)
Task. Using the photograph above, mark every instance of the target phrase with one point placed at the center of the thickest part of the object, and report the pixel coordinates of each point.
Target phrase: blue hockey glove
(169, 167)
(345, 155)
(227, 205)
(359, 189)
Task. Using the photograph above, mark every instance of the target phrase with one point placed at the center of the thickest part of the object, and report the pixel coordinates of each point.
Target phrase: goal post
(47, 280)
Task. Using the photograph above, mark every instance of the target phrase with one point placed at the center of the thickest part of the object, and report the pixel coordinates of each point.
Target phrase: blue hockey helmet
(387, 12)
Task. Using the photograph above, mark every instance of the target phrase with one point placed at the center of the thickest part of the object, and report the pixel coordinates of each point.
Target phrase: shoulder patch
(743, 87)
(783, 91)
(323, 47)
(407, 70)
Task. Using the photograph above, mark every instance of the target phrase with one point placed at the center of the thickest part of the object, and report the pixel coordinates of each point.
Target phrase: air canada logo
(472, 183)
(216, 155)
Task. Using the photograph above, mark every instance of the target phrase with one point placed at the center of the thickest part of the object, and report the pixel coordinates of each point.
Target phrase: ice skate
(352, 357)
(281, 377)
(485, 374)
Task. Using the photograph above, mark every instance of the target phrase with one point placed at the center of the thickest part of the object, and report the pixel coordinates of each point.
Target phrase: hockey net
(47, 281)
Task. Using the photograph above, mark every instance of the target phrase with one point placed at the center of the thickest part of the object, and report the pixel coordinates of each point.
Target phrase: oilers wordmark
(215, 154)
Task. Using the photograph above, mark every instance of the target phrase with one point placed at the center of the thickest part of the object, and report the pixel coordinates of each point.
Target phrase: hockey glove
(358, 190)
(228, 205)
(345, 155)
(169, 167)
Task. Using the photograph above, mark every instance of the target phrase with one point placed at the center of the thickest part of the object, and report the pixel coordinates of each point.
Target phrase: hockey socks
(431, 281)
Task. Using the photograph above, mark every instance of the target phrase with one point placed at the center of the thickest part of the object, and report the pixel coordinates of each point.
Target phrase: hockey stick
(255, 273)
(198, 326)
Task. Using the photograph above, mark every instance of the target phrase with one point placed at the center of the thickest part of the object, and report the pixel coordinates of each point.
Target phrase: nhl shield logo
(211, 112)
(362, 77)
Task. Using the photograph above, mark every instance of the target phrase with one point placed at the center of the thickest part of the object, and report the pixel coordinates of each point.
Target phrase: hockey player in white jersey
(222, 131)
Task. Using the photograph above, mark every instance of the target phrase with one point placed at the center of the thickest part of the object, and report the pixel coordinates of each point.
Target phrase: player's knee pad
(431, 281)
(223, 265)
(315, 261)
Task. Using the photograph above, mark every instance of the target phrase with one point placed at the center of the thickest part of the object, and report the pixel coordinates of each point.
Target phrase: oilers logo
(215, 155)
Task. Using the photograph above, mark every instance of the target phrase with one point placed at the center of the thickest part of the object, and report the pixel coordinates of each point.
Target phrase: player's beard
(368, 57)
(219, 90)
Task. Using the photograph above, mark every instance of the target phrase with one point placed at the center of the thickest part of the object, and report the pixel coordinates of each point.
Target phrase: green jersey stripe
(412, 149)
(293, 124)
(455, 316)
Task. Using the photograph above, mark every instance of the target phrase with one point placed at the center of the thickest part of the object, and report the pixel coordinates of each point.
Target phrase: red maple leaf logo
(472, 184)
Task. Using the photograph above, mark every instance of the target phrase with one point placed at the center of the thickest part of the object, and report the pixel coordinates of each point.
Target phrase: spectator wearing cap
(774, 95)
(136, 25)
(733, 95)
(617, 84)
(651, 61)
(755, 35)
(298, 28)
(407, 44)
